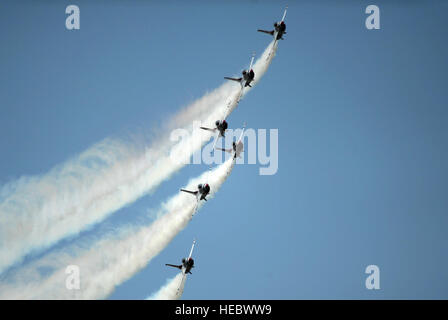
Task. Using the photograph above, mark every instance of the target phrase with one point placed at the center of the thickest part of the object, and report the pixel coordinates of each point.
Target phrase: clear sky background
(362, 119)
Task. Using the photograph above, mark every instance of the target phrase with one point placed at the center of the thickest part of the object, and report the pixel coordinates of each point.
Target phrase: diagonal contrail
(115, 258)
(38, 211)
(172, 290)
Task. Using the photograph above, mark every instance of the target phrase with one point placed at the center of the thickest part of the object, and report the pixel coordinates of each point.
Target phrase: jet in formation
(220, 126)
(237, 146)
(186, 266)
(247, 75)
(201, 193)
(279, 29)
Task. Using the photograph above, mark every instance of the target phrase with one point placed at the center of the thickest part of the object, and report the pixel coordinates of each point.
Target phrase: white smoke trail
(113, 259)
(36, 212)
(172, 290)
(260, 67)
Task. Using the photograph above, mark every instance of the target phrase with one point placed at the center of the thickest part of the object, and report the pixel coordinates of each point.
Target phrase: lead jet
(186, 266)
(248, 75)
(279, 29)
(237, 147)
(201, 193)
(220, 126)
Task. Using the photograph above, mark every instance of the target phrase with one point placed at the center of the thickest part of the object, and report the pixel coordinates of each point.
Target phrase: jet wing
(208, 129)
(284, 14)
(234, 79)
(188, 191)
(265, 31)
(225, 150)
(174, 266)
(251, 61)
(192, 247)
(242, 133)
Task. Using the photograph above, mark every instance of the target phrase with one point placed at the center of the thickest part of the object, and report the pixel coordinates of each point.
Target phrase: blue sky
(361, 116)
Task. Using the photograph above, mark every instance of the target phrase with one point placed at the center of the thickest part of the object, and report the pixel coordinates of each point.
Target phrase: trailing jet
(237, 147)
(186, 266)
(220, 126)
(279, 29)
(248, 75)
(187, 263)
(201, 193)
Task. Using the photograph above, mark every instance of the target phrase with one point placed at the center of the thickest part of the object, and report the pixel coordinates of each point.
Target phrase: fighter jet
(220, 126)
(187, 263)
(279, 29)
(203, 190)
(201, 193)
(248, 75)
(237, 147)
(185, 267)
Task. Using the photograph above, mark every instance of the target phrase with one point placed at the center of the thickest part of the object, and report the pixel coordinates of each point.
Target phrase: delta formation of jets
(237, 146)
